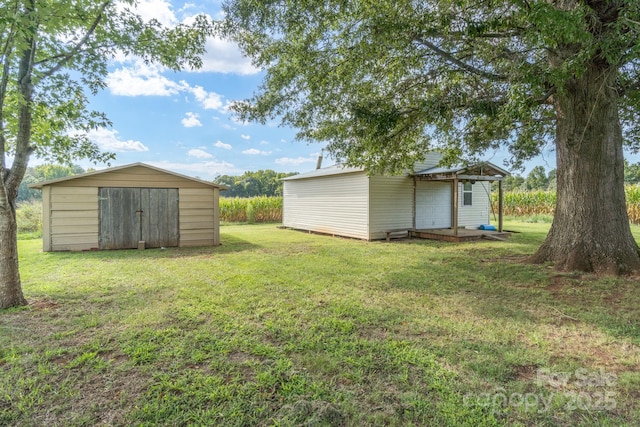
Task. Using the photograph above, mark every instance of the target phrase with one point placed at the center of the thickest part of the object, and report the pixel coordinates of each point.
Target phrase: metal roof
(328, 171)
(484, 168)
(116, 168)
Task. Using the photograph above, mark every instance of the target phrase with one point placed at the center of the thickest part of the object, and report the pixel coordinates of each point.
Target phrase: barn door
(128, 215)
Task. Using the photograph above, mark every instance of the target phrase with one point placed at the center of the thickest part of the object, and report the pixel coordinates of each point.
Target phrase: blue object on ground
(487, 227)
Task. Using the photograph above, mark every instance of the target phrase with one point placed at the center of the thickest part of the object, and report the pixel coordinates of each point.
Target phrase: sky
(181, 122)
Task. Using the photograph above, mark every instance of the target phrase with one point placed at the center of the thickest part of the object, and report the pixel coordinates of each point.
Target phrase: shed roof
(129, 166)
(329, 170)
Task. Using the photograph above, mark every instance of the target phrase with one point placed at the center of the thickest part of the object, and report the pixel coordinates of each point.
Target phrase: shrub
(29, 217)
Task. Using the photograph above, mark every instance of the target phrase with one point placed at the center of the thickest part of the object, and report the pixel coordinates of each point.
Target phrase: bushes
(29, 217)
(254, 209)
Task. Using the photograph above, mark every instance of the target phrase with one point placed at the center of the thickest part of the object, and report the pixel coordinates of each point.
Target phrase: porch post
(500, 205)
(414, 202)
(454, 221)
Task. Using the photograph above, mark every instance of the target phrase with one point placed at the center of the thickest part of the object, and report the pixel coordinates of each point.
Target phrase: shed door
(128, 215)
(433, 204)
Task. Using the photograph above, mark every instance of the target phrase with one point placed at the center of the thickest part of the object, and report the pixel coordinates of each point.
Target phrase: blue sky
(180, 121)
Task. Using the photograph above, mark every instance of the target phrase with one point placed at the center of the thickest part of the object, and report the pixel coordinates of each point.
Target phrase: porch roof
(484, 171)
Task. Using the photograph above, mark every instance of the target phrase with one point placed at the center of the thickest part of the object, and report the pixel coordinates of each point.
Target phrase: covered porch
(455, 175)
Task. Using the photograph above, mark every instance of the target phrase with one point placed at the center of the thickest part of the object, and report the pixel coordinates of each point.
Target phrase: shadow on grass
(230, 244)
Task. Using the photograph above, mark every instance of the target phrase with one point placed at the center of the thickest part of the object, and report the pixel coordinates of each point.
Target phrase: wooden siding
(198, 225)
(335, 204)
(135, 176)
(71, 218)
(480, 210)
(391, 204)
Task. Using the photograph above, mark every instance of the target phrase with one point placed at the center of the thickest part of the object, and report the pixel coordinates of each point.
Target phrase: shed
(121, 207)
(346, 201)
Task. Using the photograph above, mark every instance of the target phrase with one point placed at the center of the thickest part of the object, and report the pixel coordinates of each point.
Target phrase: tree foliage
(385, 81)
(252, 184)
(53, 54)
(41, 173)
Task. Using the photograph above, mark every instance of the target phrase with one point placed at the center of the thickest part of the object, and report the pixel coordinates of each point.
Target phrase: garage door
(128, 215)
(433, 205)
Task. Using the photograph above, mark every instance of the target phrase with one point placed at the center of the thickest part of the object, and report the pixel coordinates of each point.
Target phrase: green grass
(278, 327)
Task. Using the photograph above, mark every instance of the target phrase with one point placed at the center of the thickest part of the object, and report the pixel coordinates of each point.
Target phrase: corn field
(253, 209)
(527, 203)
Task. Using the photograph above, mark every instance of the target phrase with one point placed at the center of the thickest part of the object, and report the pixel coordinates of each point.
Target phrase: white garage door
(433, 205)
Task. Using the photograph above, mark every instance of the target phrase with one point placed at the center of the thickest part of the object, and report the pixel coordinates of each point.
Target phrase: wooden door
(159, 217)
(128, 215)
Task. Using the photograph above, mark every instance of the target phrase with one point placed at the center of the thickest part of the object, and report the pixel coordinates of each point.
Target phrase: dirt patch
(524, 372)
(43, 304)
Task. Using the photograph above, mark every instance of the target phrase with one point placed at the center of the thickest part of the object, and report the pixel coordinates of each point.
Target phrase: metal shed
(128, 207)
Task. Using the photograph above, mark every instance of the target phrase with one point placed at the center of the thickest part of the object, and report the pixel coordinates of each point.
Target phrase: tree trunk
(10, 288)
(590, 230)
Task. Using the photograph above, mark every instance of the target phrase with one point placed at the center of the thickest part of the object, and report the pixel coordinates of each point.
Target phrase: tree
(382, 82)
(537, 179)
(250, 184)
(50, 54)
(43, 173)
(631, 173)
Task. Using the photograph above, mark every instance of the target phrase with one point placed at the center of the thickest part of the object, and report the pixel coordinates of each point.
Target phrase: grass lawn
(279, 327)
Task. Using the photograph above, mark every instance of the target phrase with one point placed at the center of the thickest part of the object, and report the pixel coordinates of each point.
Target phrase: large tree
(384, 81)
(51, 54)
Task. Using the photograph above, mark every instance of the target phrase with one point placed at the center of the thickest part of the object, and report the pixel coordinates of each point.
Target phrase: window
(467, 194)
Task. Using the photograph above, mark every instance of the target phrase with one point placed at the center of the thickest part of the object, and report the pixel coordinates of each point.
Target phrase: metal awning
(484, 171)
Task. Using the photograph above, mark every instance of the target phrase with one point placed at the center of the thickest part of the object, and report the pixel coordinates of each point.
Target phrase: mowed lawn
(280, 327)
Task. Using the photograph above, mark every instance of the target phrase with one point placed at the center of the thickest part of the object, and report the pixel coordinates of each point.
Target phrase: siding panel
(391, 205)
(197, 217)
(335, 204)
(73, 218)
(479, 212)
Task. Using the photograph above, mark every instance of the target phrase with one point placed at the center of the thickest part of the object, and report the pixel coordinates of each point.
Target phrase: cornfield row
(527, 203)
(254, 209)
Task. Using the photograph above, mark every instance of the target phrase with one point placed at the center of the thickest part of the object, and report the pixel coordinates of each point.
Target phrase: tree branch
(463, 65)
(66, 57)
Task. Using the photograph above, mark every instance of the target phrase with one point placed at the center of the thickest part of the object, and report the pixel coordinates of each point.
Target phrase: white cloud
(221, 144)
(108, 140)
(200, 154)
(205, 170)
(254, 151)
(225, 57)
(263, 142)
(247, 137)
(159, 10)
(295, 162)
(191, 120)
(208, 100)
(141, 80)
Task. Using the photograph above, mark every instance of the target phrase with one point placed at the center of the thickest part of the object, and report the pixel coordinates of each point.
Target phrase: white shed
(347, 202)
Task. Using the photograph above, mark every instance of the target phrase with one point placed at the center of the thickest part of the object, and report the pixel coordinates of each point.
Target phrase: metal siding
(133, 177)
(479, 212)
(71, 206)
(198, 223)
(335, 204)
(391, 204)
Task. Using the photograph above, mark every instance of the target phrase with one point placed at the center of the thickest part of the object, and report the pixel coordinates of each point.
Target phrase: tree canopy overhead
(52, 55)
(383, 82)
